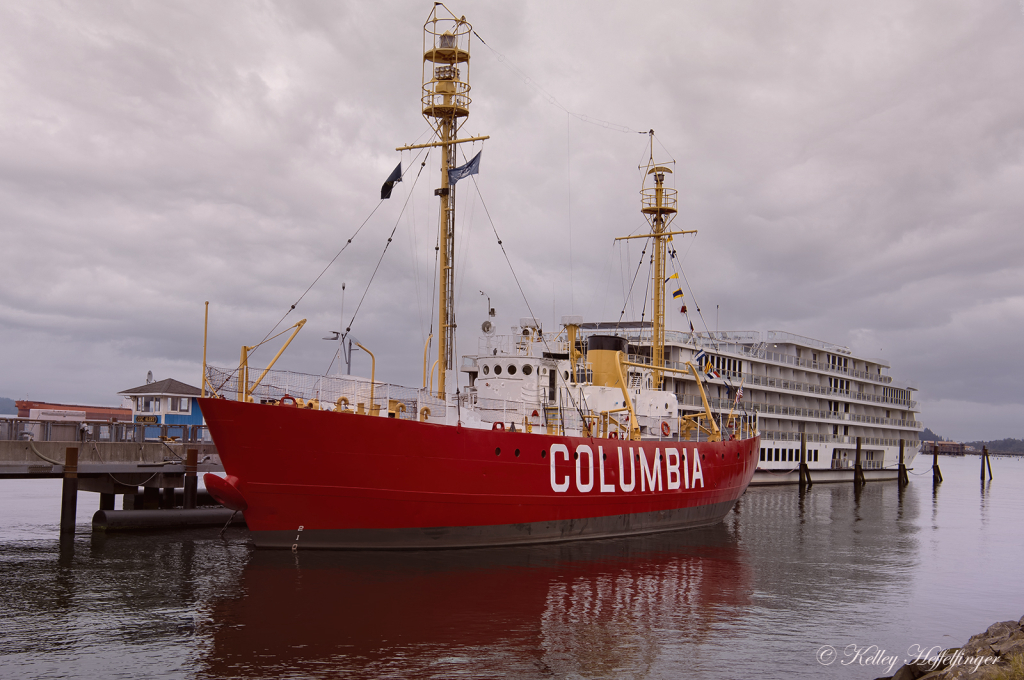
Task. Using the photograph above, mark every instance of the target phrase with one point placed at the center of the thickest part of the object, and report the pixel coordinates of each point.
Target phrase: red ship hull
(319, 479)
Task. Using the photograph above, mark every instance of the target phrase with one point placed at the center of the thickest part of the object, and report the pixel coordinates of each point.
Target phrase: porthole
(543, 371)
(543, 454)
(517, 453)
(511, 369)
(486, 370)
(527, 369)
(565, 374)
(497, 369)
(497, 451)
(576, 456)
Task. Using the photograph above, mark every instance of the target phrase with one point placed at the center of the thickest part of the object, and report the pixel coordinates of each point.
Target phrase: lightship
(559, 436)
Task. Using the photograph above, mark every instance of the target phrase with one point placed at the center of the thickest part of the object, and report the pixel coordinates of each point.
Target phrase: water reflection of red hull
(489, 612)
(316, 479)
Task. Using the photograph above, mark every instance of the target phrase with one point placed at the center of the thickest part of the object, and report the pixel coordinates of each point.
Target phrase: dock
(151, 468)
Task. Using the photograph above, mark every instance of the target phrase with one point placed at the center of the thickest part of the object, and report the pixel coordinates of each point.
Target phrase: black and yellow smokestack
(603, 354)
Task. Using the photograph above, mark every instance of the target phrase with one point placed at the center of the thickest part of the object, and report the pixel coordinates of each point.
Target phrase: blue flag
(470, 168)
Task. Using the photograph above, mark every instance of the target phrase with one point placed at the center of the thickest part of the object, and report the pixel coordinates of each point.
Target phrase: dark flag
(396, 176)
(470, 168)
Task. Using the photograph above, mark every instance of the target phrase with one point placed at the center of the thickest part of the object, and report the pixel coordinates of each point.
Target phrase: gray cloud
(854, 171)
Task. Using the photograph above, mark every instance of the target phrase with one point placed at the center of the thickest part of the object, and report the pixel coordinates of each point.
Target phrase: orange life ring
(666, 429)
(613, 435)
(498, 425)
(288, 398)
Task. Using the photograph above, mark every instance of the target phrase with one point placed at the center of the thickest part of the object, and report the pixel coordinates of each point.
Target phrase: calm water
(756, 596)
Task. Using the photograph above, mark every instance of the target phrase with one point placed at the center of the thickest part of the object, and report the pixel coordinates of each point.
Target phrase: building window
(148, 405)
(178, 404)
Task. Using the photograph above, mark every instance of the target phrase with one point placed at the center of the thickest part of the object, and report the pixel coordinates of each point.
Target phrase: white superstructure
(791, 386)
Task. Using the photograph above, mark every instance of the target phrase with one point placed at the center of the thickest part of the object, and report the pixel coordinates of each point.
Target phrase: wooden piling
(805, 472)
(936, 472)
(904, 476)
(69, 493)
(985, 461)
(191, 480)
(858, 469)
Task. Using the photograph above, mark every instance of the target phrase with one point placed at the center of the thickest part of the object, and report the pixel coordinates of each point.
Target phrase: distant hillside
(7, 407)
(1000, 445)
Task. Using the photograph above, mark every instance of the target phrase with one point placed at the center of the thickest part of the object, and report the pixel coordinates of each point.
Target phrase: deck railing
(835, 439)
(346, 392)
(25, 429)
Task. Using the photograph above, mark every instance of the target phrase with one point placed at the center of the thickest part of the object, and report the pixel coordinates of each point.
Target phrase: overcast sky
(856, 171)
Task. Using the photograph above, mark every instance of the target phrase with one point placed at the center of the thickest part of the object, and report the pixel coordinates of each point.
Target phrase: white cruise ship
(791, 386)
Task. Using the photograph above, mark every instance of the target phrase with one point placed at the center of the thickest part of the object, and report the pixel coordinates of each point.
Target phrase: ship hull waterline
(311, 479)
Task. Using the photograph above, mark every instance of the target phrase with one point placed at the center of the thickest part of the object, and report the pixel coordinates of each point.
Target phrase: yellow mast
(658, 205)
(445, 99)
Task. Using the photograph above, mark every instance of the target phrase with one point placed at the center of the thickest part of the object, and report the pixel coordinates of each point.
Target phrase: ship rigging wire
(568, 202)
(387, 244)
(466, 232)
(544, 339)
(629, 294)
(266, 338)
(676, 267)
(550, 98)
(647, 290)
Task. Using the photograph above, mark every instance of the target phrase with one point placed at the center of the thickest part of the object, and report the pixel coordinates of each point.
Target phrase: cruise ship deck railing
(770, 435)
(777, 409)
